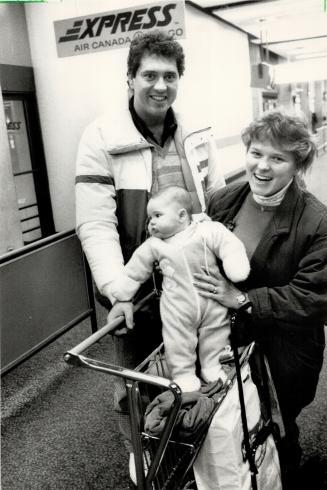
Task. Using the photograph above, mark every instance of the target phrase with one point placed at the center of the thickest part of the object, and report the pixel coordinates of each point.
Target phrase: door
(28, 166)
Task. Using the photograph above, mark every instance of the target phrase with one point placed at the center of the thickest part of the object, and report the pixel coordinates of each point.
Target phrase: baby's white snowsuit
(188, 319)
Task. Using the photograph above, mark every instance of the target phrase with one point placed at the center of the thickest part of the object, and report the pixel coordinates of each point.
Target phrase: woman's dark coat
(288, 288)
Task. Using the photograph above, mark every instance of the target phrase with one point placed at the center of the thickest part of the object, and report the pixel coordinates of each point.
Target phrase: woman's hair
(154, 43)
(289, 133)
(177, 195)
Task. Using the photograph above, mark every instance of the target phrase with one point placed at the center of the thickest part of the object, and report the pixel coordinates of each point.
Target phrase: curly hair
(157, 43)
(289, 133)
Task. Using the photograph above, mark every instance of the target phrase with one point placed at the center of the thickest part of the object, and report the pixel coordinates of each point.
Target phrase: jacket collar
(226, 202)
(121, 136)
(291, 205)
(227, 205)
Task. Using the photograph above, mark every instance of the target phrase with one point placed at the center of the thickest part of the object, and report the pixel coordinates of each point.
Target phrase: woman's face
(268, 168)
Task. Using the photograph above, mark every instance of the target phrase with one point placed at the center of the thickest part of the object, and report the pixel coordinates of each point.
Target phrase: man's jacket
(113, 182)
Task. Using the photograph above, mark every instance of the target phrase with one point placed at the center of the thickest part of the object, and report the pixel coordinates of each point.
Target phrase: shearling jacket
(114, 178)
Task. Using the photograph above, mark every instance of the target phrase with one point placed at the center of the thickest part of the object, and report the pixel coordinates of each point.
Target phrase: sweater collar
(274, 200)
(170, 124)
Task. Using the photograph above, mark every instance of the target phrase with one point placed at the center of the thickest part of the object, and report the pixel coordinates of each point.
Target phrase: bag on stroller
(239, 451)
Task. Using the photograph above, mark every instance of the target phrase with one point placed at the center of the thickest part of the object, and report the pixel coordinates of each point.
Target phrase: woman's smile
(262, 178)
(269, 168)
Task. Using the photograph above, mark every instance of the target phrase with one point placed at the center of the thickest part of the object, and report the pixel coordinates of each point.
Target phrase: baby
(183, 247)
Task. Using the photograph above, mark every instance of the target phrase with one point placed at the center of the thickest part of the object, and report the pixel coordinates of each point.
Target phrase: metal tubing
(133, 397)
(103, 331)
(166, 433)
(107, 368)
(134, 416)
(90, 293)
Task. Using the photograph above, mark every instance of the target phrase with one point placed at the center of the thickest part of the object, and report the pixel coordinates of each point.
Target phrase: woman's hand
(218, 288)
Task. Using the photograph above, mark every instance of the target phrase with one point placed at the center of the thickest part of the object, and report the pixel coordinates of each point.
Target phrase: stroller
(167, 462)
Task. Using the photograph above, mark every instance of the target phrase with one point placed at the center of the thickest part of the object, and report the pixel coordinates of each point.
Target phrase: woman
(284, 229)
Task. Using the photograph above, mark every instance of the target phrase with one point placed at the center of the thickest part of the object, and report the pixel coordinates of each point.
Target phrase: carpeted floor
(58, 427)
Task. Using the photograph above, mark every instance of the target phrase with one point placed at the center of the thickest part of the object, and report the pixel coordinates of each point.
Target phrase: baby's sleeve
(231, 251)
(137, 270)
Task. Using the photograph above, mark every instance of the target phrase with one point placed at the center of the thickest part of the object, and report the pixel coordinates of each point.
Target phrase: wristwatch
(243, 302)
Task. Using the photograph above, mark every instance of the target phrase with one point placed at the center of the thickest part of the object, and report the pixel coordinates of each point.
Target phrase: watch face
(241, 299)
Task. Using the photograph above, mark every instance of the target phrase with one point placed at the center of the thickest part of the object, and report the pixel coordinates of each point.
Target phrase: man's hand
(122, 309)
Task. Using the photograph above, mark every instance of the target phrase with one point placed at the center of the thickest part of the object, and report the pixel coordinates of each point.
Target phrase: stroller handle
(92, 339)
(74, 357)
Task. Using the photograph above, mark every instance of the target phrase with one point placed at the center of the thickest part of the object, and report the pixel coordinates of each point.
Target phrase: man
(122, 159)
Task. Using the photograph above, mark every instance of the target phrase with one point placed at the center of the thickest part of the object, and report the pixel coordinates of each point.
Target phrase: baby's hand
(200, 217)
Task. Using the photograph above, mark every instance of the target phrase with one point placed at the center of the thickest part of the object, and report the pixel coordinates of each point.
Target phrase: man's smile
(158, 98)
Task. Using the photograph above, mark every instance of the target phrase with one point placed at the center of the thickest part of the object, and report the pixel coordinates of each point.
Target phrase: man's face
(155, 87)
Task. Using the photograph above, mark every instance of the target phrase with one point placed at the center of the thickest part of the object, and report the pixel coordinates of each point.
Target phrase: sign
(116, 28)
(13, 125)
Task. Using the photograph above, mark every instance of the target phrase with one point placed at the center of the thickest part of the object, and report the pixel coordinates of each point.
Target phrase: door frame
(17, 83)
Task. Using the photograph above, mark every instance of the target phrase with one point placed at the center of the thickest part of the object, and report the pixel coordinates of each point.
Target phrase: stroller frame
(163, 463)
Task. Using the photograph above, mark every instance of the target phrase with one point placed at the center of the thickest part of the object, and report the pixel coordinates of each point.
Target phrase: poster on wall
(116, 28)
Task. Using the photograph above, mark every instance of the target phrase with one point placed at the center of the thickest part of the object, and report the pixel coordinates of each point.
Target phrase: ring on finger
(214, 290)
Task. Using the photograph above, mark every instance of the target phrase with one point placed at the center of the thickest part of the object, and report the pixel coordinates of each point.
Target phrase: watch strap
(245, 305)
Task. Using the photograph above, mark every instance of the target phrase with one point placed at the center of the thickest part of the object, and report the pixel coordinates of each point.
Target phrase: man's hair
(289, 133)
(178, 195)
(154, 43)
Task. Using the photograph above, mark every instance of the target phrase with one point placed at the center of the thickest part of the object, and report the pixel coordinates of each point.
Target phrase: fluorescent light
(306, 70)
(312, 55)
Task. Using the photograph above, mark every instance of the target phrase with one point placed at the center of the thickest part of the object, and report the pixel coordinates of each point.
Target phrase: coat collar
(121, 136)
(291, 205)
(225, 204)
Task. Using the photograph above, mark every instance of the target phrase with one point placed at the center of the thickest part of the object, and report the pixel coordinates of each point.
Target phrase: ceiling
(294, 29)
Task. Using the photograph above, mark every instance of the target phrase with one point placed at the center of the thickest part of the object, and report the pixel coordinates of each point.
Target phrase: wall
(14, 50)
(217, 81)
(14, 43)
(72, 91)
(217, 78)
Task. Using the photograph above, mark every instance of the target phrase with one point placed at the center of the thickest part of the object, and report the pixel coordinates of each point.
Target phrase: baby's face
(164, 218)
